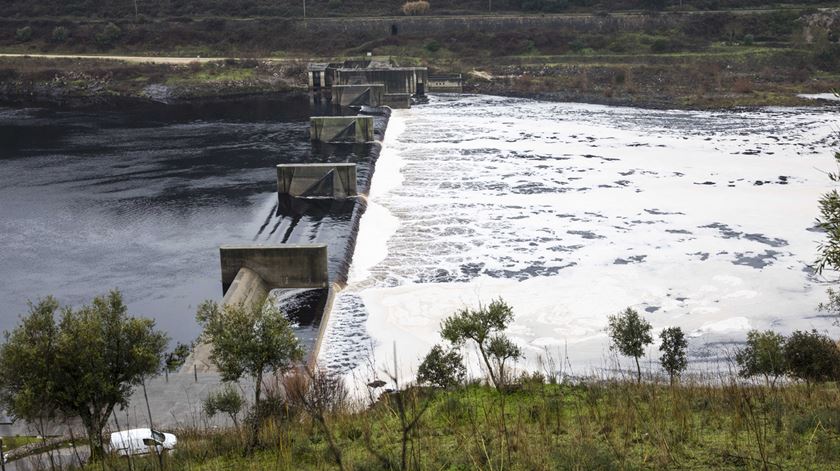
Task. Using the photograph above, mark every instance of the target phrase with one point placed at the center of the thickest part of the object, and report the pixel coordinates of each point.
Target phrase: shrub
(109, 34)
(442, 369)
(415, 8)
(749, 39)
(24, 34)
(60, 34)
(432, 46)
(812, 357)
(763, 355)
(227, 401)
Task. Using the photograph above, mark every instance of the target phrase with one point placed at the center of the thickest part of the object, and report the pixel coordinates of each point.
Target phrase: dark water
(140, 199)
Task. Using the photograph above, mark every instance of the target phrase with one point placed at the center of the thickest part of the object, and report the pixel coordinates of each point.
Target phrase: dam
(554, 206)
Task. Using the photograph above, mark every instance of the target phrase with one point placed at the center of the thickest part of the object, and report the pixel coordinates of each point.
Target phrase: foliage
(176, 358)
(485, 327)
(812, 357)
(829, 221)
(420, 7)
(432, 46)
(249, 341)
(763, 355)
(226, 401)
(109, 35)
(629, 334)
(60, 34)
(82, 366)
(24, 34)
(673, 348)
(442, 369)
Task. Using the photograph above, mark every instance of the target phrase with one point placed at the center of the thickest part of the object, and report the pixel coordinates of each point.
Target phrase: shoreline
(55, 99)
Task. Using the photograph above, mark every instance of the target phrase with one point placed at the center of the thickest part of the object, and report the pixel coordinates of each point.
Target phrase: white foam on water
(820, 96)
(572, 212)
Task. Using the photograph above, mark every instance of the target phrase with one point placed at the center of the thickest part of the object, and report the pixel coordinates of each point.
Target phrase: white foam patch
(573, 212)
(820, 96)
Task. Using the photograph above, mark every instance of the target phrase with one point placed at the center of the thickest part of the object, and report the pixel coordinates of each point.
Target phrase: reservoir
(141, 198)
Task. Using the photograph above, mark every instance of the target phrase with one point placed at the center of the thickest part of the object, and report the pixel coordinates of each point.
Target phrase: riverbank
(538, 425)
(73, 82)
(76, 82)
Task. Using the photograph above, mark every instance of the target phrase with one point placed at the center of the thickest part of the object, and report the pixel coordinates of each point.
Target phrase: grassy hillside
(253, 8)
(539, 426)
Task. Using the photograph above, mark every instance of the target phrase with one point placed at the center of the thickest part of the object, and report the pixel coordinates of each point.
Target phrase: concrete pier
(341, 128)
(276, 266)
(317, 180)
(369, 94)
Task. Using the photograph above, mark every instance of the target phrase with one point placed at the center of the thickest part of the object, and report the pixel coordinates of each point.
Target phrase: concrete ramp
(341, 128)
(358, 95)
(317, 180)
(273, 266)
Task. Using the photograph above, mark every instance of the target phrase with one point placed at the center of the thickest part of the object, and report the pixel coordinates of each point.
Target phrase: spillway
(572, 212)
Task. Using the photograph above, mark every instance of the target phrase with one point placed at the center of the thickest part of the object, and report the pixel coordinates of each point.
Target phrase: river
(141, 198)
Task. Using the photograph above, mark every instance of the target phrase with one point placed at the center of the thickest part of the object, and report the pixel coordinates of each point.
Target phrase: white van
(140, 441)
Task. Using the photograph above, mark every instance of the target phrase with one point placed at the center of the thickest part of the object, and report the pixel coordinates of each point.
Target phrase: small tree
(24, 34)
(249, 340)
(829, 221)
(60, 34)
(629, 334)
(485, 327)
(109, 34)
(812, 357)
(442, 369)
(82, 366)
(674, 346)
(764, 354)
(227, 401)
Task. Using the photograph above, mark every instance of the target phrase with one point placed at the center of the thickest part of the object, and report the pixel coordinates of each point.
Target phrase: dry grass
(705, 423)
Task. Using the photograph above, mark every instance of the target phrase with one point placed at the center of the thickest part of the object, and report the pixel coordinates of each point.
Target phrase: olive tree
(629, 334)
(829, 221)
(764, 354)
(812, 357)
(81, 363)
(485, 327)
(442, 368)
(227, 401)
(249, 340)
(674, 346)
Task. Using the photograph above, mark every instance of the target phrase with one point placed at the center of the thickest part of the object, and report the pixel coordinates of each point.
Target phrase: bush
(24, 34)
(442, 369)
(433, 46)
(749, 39)
(60, 34)
(742, 85)
(764, 355)
(812, 357)
(227, 401)
(109, 34)
(415, 8)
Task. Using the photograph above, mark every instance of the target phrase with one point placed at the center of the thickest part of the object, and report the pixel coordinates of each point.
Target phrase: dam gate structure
(367, 83)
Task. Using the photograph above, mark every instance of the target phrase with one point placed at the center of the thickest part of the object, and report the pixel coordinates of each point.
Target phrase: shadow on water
(141, 197)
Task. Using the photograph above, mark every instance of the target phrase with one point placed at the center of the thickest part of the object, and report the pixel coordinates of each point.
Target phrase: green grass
(599, 425)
